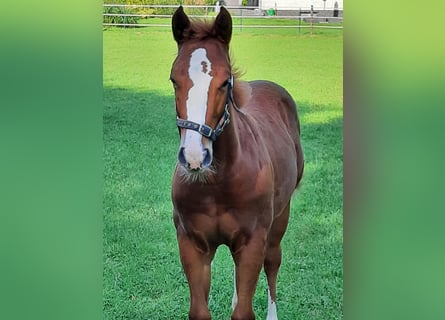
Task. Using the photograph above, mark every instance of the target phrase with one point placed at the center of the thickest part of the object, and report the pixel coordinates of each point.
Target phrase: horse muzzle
(195, 160)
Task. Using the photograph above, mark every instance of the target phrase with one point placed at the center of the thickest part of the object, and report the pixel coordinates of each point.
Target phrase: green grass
(143, 278)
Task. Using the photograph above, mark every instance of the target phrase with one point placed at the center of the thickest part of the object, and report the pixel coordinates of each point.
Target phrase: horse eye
(225, 83)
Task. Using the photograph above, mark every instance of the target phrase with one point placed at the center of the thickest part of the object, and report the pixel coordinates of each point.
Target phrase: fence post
(241, 20)
(312, 24)
(299, 22)
(125, 17)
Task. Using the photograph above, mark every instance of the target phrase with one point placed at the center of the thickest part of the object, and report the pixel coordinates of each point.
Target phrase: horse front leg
(196, 264)
(248, 263)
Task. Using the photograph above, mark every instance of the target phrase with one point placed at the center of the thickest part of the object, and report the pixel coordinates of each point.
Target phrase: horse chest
(223, 214)
(212, 226)
(230, 195)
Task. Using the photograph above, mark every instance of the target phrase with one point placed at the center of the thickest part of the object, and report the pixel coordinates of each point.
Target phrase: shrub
(150, 11)
(119, 19)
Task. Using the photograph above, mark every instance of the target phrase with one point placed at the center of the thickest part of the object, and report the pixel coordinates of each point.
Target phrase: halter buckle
(206, 131)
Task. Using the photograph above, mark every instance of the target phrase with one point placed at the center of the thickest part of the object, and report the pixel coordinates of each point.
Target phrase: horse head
(202, 79)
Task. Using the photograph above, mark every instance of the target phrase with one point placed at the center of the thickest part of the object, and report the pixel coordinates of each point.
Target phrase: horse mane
(241, 89)
(242, 92)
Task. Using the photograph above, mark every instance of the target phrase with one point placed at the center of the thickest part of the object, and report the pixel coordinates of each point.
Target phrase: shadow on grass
(143, 277)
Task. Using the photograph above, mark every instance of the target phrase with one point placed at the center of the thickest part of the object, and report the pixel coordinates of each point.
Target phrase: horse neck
(227, 146)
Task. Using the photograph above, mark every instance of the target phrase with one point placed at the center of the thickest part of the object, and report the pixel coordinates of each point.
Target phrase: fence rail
(123, 15)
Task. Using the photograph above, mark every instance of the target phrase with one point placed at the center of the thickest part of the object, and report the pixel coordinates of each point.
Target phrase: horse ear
(180, 22)
(223, 25)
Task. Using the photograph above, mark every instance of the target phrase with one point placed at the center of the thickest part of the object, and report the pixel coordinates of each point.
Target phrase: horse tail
(300, 163)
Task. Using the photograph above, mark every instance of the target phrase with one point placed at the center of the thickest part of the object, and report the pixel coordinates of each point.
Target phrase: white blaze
(199, 73)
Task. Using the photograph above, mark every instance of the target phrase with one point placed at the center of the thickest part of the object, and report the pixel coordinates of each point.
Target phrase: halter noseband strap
(206, 130)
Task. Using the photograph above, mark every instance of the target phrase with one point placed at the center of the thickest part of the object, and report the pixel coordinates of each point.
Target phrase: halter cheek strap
(206, 130)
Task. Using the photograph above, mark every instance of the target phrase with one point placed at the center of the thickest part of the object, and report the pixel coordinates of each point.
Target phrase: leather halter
(223, 121)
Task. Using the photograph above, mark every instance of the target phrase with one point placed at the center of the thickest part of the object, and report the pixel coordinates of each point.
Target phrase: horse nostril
(207, 158)
(181, 157)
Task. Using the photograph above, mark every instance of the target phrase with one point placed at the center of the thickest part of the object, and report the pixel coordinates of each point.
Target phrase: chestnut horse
(239, 162)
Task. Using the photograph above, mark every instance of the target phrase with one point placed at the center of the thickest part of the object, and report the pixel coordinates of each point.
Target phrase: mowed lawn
(143, 277)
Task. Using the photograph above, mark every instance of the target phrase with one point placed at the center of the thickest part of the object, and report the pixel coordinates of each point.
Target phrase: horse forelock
(200, 30)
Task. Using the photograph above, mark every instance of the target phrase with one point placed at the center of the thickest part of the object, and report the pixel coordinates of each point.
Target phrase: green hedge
(119, 19)
(150, 11)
